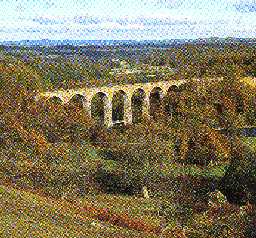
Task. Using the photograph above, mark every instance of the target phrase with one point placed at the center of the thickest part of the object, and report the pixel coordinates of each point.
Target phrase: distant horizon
(171, 39)
(106, 39)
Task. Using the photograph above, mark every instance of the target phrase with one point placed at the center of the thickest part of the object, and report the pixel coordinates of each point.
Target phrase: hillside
(24, 214)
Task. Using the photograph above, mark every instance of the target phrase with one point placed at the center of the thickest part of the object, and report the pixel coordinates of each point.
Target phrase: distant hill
(155, 43)
(47, 42)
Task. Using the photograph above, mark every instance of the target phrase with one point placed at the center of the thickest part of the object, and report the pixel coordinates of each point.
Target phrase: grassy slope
(168, 167)
(250, 142)
(136, 207)
(24, 214)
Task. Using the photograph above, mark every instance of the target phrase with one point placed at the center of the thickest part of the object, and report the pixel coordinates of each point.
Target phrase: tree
(239, 181)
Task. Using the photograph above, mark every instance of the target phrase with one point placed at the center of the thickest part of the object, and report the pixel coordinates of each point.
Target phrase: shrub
(239, 182)
(116, 182)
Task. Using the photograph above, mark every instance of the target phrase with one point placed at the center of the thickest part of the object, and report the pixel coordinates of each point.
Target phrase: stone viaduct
(127, 95)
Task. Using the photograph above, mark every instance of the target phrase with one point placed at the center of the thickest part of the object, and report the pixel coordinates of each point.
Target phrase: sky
(126, 19)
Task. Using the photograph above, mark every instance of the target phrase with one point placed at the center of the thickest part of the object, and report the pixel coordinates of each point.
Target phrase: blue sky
(126, 19)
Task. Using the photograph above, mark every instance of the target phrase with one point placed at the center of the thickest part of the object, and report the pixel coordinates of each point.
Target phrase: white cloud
(18, 24)
(118, 26)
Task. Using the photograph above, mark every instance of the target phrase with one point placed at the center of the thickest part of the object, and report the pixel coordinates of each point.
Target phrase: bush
(239, 182)
(116, 182)
(199, 154)
(250, 225)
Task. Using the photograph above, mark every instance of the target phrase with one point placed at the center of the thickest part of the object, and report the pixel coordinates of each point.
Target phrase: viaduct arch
(126, 103)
